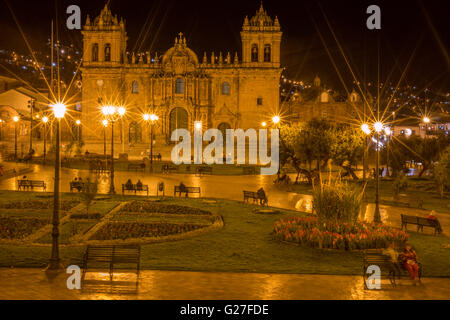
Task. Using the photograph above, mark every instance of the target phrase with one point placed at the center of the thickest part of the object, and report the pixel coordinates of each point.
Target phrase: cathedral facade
(222, 90)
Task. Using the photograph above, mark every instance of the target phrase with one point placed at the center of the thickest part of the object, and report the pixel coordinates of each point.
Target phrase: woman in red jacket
(409, 262)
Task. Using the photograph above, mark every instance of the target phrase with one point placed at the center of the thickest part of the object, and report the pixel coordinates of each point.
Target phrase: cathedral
(222, 90)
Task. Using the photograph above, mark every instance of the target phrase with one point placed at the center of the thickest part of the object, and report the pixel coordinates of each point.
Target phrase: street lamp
(1, 129)
(276, 120)
(264, 124)
(378, 126)
(59, 110)
(111, 113)
(152, 117)
(78, 123)
(365, 128)
(31, 105)
(45, 120)
(388, 133)
(16, 120)
(105, 125)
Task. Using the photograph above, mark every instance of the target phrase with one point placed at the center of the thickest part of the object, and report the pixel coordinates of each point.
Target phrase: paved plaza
(32, 284)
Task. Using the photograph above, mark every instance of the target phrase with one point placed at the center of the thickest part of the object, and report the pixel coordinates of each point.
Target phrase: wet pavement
(33, 284)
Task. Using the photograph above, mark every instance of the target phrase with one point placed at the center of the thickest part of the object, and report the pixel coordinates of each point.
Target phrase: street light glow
(109, 110)
(16, 119)
(276, 119)
(154, 117)
(264, 124)
(59, 110)
(146, 117)
(78, 122)
(45, 119)
(388, 131)
(365, 128)
(198, 125)
(378, 126)
(121, 111)
(105, 123)
(426, 120)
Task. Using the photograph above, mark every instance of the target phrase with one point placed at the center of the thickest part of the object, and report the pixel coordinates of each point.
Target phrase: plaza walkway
(32, 284)
(225, 187)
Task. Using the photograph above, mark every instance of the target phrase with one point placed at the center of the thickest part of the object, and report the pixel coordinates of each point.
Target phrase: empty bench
(135, 188)
(31, 184)
(420, 222)
(168, 168)
(256, 197)
(111, 256)
(186, 190)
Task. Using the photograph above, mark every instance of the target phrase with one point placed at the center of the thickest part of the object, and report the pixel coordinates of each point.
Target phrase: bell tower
(104, 40)
(261, 39)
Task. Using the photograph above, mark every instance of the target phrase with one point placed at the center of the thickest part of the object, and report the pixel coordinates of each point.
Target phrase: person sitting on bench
(432, 216)
(139, 185)
(129, 184)
(262, 196)
(182, 187)
(393, 255)
(409, 261)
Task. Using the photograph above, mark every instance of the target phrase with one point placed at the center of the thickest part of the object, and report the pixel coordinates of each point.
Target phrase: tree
(88, 193)
(442, 172)
(348, 147)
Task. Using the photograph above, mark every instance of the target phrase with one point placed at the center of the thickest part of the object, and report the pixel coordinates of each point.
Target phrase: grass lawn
(68, 230)
(245, 244)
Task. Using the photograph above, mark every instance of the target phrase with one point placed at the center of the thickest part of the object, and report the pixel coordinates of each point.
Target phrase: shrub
(343, 236)
(151, 207)
(133, 230)
(337, 202)
(88, 193)
(11, 228)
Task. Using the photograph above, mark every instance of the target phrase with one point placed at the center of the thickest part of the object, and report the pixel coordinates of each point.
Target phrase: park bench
(135, 188)
(405, 201)
(31, 184)
(168, 168)
(420, 222)
(203, 170)
(254, 195)
(112, 255)
(384, 262)
(136, 166)
(76, 185)
(186, 190)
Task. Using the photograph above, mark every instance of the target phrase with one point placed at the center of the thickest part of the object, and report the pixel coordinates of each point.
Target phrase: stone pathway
(176, 285)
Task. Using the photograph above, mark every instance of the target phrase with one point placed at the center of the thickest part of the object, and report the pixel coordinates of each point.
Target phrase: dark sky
(215, 25)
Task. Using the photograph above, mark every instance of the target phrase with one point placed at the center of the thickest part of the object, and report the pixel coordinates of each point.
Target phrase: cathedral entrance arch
(135, 133)
(178, 119)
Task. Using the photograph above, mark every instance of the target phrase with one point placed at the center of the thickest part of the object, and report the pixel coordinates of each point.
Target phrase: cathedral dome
(180, 59)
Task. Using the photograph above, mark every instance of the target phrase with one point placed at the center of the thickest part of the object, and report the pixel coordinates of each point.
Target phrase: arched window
(107, 52)
(267, 53)
(179, 87)
(255, 53)
(226, 88)
(95, 52)
(135, 87)
(135, 133)
(178, 119)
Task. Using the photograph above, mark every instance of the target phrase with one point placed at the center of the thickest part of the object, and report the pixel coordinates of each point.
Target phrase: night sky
(216, 25)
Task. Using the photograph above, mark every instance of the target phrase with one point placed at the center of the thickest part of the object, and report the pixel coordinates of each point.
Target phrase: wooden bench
(76, 185)
(407, 202)
(186, 190)
(31, 184)
(384, 262)
(168, 168)
(136, 167)
(112, 255)
(420, 222)
(203, 170)
(135, 188)
(254, 195)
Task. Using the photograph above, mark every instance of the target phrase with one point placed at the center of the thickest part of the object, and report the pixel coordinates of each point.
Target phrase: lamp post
(378, 126)
(78, 123)
(45, 120)
(152, 118)
(105, 125)
(111, 113)
(59, 110)
(388, 133)
(365, 128)
(1, 129)
(16, 120)
(31, 105)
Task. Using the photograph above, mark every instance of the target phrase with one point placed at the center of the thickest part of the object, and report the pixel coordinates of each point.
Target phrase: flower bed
(11, 228)
(37, 204)
(151, 207)
(115, 231)
(342, 236)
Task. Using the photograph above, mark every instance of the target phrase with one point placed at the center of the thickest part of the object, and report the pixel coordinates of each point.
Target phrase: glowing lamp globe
(105, 123)
(154, 117)
(78, 122)
(198, 125)
(378, 126)
(264, 124)
(45, 119)
(146, 117)
(16, 119)
(388, 131)
(426, 120)
(59, 110)
(276, 119)
(365, 128)
(121, 111)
